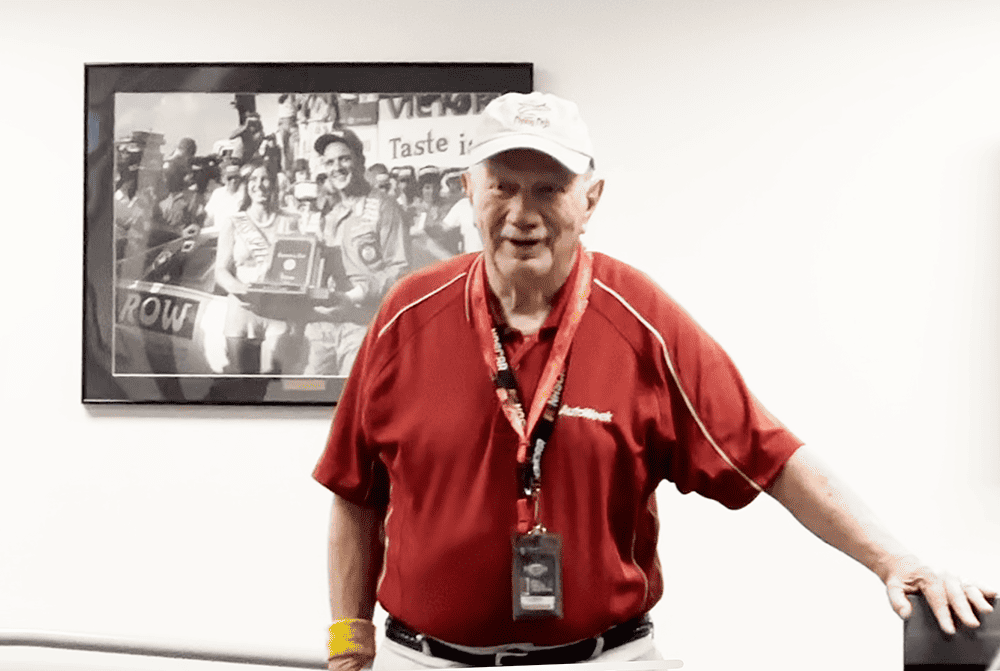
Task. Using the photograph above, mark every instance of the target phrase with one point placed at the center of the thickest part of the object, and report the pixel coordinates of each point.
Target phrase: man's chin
(524, 267)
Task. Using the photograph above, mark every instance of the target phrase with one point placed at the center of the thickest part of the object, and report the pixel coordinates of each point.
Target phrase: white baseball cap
(539, 121)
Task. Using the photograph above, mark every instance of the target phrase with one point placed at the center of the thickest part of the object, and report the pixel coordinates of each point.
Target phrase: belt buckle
(500, 656)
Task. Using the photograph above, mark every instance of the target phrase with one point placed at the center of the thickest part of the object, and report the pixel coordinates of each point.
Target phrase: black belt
(570, 653)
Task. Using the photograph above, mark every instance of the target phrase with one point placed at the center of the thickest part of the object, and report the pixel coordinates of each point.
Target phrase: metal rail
(93, 643)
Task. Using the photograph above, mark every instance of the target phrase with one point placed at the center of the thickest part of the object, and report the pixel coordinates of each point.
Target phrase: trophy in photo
(295, 268)
(294, 281)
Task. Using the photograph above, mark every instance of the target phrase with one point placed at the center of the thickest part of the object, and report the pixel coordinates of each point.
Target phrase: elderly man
(366, 242)
(496, 451)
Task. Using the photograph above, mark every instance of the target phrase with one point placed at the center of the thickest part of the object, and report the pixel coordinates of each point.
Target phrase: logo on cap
(531, 114)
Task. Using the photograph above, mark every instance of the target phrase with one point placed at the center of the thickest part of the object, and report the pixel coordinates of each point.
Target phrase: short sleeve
(350, 466)
(719, 440)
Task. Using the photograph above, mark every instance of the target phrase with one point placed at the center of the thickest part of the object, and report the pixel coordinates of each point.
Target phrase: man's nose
(523, 212)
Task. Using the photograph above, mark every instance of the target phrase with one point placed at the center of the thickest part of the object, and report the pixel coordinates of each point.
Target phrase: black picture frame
(139, 344)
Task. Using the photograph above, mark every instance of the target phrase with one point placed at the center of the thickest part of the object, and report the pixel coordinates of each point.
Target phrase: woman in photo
(260, 337)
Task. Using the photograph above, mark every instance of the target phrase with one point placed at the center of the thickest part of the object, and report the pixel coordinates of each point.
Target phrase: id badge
(537, 576)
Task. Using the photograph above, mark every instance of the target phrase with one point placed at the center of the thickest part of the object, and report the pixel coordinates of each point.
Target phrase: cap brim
(573, 160)
(322, 142)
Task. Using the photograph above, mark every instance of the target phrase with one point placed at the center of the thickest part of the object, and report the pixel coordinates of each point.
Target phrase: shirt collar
(559, 302)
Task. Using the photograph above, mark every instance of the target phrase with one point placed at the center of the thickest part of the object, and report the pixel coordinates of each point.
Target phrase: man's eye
(549, 190)
(505, 189)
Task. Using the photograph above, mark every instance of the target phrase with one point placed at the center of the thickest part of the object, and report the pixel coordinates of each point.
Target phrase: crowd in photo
(305, 178)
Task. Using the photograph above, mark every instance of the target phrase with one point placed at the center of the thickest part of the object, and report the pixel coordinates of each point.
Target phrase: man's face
(452, 188)
(530, 211)
(340, 165)
(382, 182)
(404, 182)
(427, 193)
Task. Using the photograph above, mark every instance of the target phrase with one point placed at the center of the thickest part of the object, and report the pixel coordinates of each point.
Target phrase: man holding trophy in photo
(365, 253)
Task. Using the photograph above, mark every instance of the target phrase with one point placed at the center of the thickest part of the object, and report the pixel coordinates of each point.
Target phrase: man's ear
(467, 184)
(594, 193)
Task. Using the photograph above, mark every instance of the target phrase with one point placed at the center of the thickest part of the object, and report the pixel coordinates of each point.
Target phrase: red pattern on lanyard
(552, 372)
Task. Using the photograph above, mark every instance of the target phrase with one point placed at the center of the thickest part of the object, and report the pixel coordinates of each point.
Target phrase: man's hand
(944, 592)
(336, 306)
(349, 662)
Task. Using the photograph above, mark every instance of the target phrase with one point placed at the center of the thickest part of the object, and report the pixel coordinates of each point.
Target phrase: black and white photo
(242, 259)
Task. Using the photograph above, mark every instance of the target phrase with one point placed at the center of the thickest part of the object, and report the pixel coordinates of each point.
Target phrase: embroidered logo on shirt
(369, 254)
(586, 413)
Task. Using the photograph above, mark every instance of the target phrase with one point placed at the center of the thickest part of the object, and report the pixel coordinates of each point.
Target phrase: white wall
(818, 183)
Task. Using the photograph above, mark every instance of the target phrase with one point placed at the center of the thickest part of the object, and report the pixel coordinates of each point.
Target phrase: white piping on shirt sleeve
(417, 302)
(680, 387)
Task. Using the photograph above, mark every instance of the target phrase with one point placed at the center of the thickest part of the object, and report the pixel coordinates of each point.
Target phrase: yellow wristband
(352, 636)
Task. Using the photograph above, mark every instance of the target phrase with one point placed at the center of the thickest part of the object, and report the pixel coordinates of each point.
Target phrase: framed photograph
(242, 221)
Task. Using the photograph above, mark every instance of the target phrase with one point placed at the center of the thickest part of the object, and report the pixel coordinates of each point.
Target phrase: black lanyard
(530, 473)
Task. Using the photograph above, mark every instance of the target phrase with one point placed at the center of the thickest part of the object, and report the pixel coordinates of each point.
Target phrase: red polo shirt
(419, 430)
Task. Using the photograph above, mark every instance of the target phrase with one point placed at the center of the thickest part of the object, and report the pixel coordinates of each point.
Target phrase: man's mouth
(525, 248)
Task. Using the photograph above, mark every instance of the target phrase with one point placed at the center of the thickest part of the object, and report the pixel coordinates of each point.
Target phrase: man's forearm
(355, 559)
(832, 512)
